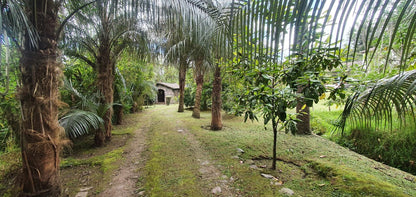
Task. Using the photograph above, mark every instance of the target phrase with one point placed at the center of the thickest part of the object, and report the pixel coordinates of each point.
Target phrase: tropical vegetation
(70, 68)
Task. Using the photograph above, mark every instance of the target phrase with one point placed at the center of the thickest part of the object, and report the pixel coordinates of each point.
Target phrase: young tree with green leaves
(264, 94)
(304, 74)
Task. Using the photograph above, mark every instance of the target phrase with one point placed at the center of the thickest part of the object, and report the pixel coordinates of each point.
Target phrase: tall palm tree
(103, 33)
(178, 53)
(39, 97)
(191, 41)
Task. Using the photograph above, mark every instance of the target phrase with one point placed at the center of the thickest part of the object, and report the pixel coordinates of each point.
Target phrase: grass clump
(106, 161)
(354, 183)
(393, 144)
(395, 148)
(10, 168)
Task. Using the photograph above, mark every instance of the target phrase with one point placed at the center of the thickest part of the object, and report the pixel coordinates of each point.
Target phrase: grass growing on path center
(171, 169)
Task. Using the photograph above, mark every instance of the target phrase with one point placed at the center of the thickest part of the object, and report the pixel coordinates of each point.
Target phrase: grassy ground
(309, 165)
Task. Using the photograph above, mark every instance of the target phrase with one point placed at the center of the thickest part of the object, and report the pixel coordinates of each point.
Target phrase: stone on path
(287, 191)
(216, 190)
(276, 183)
(240, 150)
(268, 176)
(85, 189)
(82, 194)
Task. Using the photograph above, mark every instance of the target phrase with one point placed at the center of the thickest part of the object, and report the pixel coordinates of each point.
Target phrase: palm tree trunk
(182, 77)
(39, 97)
(118, 114)
(105, 82)
(99, 137)
(216, 121)
(303, 127)
(199, 79)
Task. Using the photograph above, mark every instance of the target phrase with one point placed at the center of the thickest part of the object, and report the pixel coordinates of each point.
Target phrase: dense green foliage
(277, 53)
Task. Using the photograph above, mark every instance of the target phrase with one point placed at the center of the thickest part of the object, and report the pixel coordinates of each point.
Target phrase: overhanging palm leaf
(77, 123)
(381, 101)
(88, 114)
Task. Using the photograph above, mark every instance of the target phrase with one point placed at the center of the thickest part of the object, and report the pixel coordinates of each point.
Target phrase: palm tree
(178, 53)
(39, 97)
(216, 118)
(191, 41)
(103, 33)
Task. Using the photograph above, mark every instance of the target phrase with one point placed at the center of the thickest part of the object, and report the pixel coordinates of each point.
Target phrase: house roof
(169, 85)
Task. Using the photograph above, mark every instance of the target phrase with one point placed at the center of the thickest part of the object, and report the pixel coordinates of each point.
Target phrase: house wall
(169, 93)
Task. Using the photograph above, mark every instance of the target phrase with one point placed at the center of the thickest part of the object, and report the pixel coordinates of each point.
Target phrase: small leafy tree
(304, 74)
(265, 95)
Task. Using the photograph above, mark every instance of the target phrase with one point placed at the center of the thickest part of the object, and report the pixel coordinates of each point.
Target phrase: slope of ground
(160, 152)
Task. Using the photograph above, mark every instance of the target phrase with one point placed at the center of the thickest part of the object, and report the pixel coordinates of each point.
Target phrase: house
(165, 90)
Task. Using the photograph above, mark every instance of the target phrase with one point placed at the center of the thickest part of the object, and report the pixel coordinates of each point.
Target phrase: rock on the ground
(268, 176)
(254, 167)
(85, 189)
(141, 193)
(231, 179)
(287, 191)
(276, 183)
(216, 190)
(82, 194)
(240, 150)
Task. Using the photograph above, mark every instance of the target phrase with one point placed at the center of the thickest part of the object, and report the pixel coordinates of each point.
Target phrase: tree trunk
(39, 97)
(118, 114)
(99, 137)
(216, 121)
(199, 79)
(303, 127)
(105, 84)
(274, 144)
(182, 77)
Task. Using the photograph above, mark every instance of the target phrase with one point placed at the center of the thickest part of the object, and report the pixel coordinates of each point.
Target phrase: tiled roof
(169, 85)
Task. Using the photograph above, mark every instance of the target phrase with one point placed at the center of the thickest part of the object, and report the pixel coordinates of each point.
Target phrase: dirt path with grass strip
(208, 171)
(124, 179)
(165, 158)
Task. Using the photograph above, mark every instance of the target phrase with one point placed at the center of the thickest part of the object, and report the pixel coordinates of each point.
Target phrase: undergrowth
(394, 146)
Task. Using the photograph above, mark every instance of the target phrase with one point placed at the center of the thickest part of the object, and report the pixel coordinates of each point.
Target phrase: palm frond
(13, 19)
(380, 102)
(77, 123)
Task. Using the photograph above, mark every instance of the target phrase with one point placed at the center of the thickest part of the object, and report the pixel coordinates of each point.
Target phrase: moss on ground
(170, 169)
(309, 165)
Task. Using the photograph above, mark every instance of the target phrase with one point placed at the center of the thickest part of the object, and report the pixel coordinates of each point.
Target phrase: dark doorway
(160, 96)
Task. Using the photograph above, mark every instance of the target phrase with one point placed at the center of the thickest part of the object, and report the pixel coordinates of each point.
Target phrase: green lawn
(309, 165)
